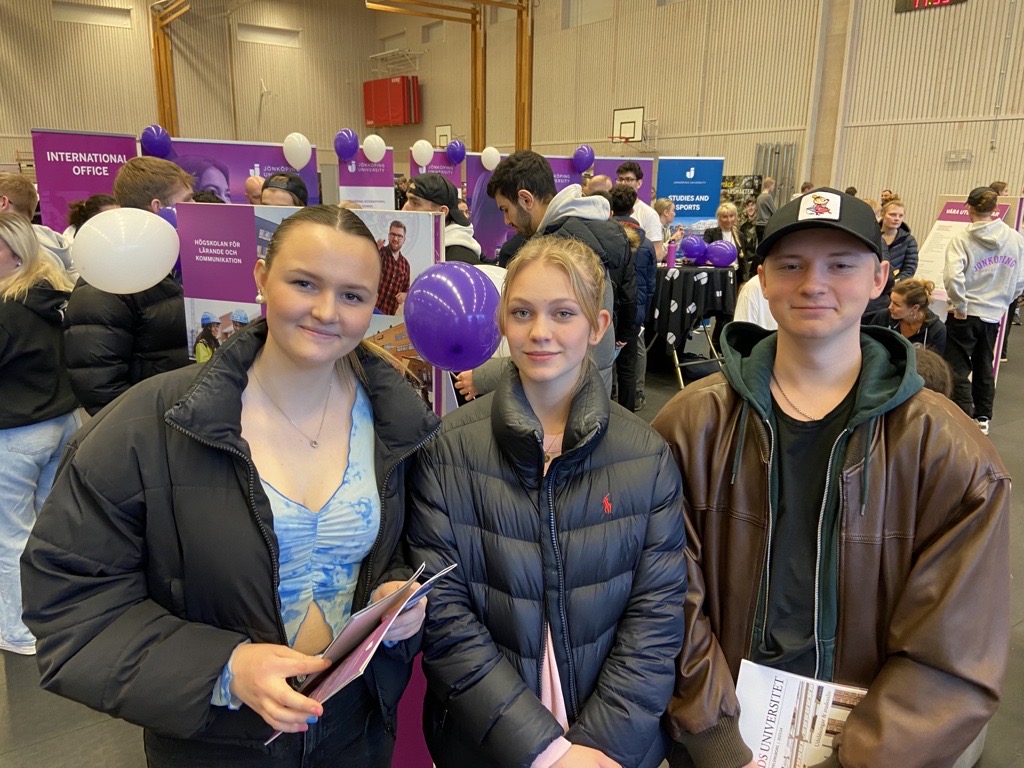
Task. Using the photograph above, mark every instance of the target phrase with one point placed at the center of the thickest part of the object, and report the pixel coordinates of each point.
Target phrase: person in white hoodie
(18, 195)
(983, 274)
(433, 193)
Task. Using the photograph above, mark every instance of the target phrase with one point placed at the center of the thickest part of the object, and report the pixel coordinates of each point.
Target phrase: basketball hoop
(620, 140)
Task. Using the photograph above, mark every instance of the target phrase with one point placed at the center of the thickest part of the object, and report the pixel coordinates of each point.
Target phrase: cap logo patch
(819, 205)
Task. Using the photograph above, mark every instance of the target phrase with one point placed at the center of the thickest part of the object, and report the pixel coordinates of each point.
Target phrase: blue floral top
(321, 551)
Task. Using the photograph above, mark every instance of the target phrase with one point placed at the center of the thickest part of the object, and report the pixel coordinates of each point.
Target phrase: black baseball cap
(437, 189)
(289, 182)
(977, 195)
(824, 208)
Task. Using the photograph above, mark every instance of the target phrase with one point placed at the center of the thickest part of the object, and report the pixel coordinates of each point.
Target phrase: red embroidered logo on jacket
(607, 504)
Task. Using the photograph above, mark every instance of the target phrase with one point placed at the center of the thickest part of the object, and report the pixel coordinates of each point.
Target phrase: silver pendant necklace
(793, 405)
(314, 442)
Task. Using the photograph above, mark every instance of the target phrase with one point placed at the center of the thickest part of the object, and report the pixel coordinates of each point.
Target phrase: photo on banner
(74, 166)
(221, 244)
(738, 189)
(694, 185)
(223, 166)
(372, 185)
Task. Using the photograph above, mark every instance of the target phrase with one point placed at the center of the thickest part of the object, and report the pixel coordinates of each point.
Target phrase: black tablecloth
(684, 295)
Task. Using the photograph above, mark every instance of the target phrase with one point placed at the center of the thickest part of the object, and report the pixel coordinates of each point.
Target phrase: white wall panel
(921, 84)
(444, 74)
(71, 76)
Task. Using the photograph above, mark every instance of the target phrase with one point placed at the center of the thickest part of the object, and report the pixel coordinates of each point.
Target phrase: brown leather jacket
(923, 582)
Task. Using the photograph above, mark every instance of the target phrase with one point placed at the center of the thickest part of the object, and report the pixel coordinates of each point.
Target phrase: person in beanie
(285, 188)
(433, 193)
(982, 277)
(843, 523)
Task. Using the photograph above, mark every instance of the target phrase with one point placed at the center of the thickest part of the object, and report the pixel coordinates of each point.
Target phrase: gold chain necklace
(793, 405)
(314, 442)
(547, 448)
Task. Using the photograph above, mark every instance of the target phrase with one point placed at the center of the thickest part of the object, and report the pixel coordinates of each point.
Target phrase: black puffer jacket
(931, 336)
(155, 554)
(902, 254)
(608, 241)
(113, 341)
(592, 551)
(34, 384)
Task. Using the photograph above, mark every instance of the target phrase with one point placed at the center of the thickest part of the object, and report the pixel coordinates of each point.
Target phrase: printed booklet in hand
(350, 652)
(789, 721)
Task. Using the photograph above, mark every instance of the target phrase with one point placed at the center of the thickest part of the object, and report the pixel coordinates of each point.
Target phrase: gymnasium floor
(40, 729)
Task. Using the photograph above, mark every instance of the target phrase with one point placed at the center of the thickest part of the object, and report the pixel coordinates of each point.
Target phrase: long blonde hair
(36, 267)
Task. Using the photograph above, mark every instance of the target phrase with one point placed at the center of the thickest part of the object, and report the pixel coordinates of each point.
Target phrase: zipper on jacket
(561, 603)
(544, 619)
(365, 597)
(767, 567)
(817, 556)
(251, 475)
(373, 551)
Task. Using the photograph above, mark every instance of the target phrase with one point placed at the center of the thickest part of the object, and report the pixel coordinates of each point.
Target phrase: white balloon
(125, 250)
(297, 150)
(490, 157)
(422, 152)
(374, 148)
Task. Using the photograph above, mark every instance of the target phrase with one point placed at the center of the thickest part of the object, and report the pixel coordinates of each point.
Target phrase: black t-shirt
(802, 457)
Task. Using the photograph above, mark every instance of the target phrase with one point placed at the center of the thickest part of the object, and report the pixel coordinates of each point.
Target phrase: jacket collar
(211, 408)
(888, 375)
(518, 430)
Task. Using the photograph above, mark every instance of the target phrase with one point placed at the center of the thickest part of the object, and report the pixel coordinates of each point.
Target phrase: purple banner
(955, 211)
(372, 185)
(218, 253)
(488, 222)
(440, 164)
(76, 166)
(607, 166)
(565, 174)
(223, 166)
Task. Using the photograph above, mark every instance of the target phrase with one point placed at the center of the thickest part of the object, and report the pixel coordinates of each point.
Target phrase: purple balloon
(451, 316)
(583, 158)
(720, 253)
(693, 248)
(456, 152)
(346, 145)
(170, 215)
(156, 141)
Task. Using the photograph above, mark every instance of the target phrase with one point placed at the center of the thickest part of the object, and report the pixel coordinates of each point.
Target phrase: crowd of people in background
(213, 527)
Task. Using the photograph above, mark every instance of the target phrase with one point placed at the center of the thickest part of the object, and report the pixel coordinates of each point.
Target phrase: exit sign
(903, 6)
